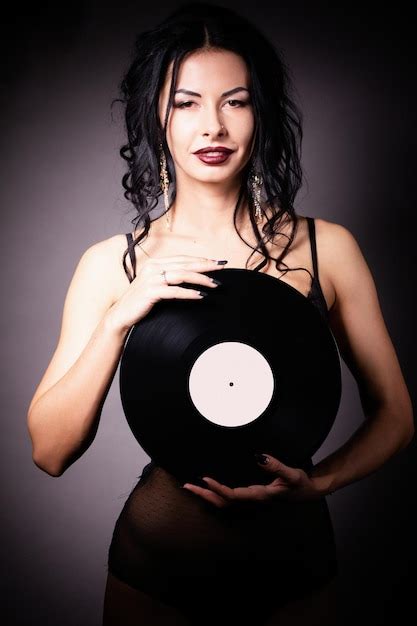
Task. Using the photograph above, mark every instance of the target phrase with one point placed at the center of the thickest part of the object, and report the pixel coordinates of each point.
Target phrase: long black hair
(277, 148)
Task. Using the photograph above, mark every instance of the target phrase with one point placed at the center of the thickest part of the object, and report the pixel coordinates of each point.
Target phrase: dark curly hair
(277, 148)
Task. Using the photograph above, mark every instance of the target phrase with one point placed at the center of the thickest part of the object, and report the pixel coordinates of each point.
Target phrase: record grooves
(252, 367)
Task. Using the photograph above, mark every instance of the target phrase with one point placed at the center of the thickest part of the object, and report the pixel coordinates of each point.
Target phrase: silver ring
(163, 273)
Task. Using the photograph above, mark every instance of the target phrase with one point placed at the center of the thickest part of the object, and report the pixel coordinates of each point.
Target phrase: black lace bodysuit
(175, 546)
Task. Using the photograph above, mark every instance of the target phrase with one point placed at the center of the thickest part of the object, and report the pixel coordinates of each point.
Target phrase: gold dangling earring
(164, 181)
(256, 184)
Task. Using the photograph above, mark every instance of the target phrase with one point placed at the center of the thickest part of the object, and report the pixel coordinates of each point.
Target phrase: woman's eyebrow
(226, 93)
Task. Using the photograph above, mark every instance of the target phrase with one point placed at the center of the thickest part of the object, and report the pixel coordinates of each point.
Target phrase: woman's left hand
(289, 482)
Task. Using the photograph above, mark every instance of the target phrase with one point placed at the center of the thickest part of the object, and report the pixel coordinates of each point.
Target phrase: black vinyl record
(252, 367)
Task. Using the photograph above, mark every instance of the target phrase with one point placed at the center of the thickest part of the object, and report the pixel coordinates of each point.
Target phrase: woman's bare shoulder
(339, 257)
(331, 235)
(337, 247)
(105, 259)
(106, 251)
(344, 262)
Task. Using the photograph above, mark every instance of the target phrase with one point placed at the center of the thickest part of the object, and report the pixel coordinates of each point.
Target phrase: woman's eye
(241, 103)
(183, 105)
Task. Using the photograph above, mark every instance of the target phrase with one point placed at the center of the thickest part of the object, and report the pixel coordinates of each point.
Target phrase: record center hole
(231, 384)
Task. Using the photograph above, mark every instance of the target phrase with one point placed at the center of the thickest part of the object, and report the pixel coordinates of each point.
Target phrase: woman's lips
(213, 158)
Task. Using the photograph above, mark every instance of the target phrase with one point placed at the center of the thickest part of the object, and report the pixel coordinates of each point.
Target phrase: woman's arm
(65, 410)
(364, 343)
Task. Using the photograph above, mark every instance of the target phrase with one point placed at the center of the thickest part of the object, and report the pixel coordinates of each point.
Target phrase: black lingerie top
(315, 295)
(167, 540)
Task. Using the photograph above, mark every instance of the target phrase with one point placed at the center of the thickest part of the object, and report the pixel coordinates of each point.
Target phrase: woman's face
(209, 118)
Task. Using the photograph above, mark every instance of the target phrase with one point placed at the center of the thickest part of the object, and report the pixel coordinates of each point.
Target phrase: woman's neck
(205, 210)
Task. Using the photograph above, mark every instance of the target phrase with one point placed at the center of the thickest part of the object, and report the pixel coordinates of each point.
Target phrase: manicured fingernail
(261, 458)
(217, 282)
(222, 262)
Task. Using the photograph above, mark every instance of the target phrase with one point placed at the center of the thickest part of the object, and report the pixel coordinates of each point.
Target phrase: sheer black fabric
(251, 557)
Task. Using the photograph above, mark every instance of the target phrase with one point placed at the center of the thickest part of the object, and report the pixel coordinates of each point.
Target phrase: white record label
(231, 383)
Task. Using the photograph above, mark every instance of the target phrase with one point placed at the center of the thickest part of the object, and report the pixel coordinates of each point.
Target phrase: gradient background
(62, 192)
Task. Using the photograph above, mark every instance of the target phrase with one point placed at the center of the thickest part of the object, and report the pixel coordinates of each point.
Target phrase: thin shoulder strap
(313, 245)
(131, 253)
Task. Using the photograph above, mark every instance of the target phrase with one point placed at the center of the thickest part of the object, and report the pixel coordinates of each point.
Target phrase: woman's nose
(212, 122)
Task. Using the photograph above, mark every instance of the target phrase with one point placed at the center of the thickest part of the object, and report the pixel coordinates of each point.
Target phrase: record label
(231, 384)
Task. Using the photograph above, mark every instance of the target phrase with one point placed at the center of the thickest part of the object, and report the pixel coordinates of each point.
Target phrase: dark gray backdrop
(61, 192)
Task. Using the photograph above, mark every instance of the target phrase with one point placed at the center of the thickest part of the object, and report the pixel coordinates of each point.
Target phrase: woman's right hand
(149, 286)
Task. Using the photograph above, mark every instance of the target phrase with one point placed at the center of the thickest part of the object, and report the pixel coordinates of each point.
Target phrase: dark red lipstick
(213, 155)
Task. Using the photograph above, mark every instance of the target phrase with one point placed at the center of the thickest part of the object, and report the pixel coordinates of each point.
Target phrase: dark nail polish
(218, 282)
(261, 458)
(203, 293)
(222, 262)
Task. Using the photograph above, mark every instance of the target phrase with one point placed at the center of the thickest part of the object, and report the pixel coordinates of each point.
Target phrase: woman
(186, 554)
